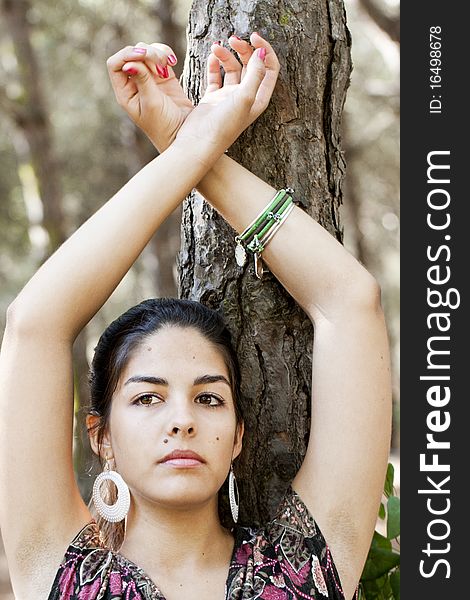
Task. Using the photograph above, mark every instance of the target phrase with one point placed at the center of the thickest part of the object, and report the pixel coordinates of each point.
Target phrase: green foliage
(380, 578)
(393, 521)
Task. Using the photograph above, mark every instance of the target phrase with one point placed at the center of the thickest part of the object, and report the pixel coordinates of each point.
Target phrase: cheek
(134, 436)
(222, 438)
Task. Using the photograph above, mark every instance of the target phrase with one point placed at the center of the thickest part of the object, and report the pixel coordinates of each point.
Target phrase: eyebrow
(202, 379)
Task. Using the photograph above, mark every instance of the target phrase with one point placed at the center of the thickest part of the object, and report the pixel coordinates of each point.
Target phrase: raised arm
(342, 475)
(40, 505)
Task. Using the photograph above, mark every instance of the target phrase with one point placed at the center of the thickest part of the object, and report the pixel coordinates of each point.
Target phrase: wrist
(161, 143)
(206, 152)
(197, 154)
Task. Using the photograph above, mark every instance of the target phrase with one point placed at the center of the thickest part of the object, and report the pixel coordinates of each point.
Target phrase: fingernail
(166, 74)
(218, 42)
(172, 59)
(236, 37)
(131, 71)
(160, 71)
(139, 50)
(262, 53)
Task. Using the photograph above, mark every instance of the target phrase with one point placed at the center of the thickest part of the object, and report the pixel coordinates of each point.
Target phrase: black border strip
(423, 246)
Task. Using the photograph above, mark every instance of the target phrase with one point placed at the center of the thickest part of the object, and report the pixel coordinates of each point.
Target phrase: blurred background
(66, 147)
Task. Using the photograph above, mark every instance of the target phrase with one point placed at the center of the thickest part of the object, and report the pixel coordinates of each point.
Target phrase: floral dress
(287, 559)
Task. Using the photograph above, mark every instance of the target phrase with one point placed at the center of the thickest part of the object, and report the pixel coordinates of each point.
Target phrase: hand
(146, 87)
(230, 104)
(235, 70)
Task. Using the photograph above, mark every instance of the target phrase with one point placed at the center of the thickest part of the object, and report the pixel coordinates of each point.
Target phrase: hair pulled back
(127, 332)
(123, 336)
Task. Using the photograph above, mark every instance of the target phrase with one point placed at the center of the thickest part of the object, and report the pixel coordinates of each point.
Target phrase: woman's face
(174, 395)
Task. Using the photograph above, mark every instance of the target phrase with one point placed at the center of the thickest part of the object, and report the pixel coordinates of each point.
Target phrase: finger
(167, 51)
(214, 76)
(119, 79)
(242, 48)
(116, 61)
(141, 81)
(255, 73)
(229, 62)
(160, 58)
(271, 62)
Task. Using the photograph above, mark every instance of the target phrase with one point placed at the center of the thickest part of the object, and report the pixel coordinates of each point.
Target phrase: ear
(92, 423)
(238, 441)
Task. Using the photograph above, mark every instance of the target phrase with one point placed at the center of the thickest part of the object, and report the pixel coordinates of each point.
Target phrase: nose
(182, 422)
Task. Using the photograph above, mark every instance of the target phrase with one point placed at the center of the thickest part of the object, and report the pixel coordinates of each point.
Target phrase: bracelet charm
(240, 253)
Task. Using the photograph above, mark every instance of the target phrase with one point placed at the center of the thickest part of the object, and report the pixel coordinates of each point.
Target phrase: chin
(184, 493)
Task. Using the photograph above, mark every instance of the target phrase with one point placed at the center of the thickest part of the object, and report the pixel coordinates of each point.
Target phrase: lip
(182, 458)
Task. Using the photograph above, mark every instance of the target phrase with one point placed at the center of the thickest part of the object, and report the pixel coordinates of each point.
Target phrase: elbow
(12, 314)
(16, 318)
(359, 294)
(22, 320)
(367, 293)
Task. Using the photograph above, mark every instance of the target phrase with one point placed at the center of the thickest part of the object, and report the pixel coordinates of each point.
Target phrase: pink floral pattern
(288, 559)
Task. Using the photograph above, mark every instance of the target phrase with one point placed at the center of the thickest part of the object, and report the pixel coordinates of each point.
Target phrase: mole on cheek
(217, 438)
(149, 349)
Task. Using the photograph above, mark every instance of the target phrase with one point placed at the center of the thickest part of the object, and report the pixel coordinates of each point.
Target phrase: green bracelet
(258, 263)
(255, 236)
(261, 217)
(256, 244)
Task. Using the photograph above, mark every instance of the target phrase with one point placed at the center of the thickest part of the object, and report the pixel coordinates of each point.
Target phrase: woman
(164, 380)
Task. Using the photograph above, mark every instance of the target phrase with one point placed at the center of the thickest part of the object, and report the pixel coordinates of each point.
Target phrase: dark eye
(147, 400)
(209, 400)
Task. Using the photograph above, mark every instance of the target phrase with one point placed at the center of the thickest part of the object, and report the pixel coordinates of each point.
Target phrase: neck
(160, 539)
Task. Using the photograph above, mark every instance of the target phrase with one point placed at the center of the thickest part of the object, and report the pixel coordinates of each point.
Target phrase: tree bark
(295, 143)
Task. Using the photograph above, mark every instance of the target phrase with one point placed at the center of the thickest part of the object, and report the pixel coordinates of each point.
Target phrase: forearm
(75, 282)
(309, 262)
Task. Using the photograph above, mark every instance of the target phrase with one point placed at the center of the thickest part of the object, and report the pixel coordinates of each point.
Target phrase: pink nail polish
(236, 37)
(131, 71)
(139, 50)
(160, 71)
(172, 59)
(262, 53)
(166, 74)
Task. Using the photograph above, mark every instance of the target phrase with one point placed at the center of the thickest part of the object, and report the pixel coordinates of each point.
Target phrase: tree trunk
(295, 143)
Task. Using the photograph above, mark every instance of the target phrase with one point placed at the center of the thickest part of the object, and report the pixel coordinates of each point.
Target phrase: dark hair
(125, 334)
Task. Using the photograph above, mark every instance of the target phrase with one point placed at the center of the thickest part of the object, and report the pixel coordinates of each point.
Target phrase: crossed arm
(342, 475)
(341, 478)
(40, 505)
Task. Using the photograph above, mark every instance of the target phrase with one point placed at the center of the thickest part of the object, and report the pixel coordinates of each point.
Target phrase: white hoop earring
(117, 511)
(233, 494)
